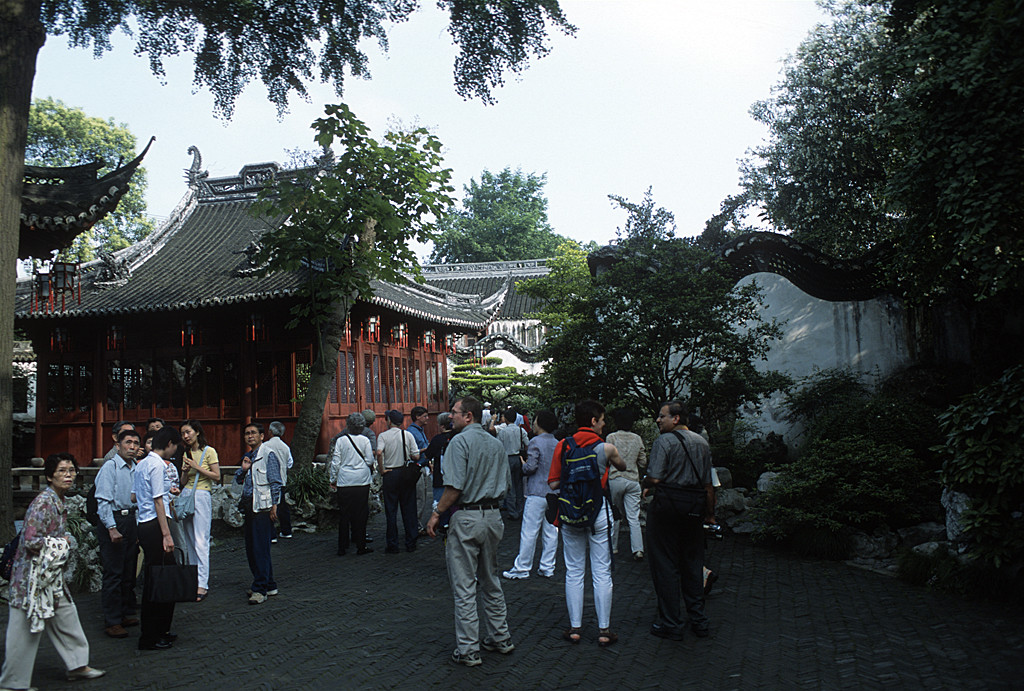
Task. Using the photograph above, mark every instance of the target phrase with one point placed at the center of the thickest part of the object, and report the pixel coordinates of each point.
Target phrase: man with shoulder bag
(679, 474)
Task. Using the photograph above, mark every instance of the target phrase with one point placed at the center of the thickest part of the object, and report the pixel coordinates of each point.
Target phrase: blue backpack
(580, 495)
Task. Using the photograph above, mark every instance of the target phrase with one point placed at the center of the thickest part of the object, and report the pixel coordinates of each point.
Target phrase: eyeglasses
(66, 471)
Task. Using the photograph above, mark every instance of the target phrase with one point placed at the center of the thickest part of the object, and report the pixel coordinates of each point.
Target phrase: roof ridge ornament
(195, 175)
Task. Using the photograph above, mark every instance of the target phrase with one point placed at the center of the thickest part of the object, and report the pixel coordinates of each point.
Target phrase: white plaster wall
(510, 360)
(867, 336)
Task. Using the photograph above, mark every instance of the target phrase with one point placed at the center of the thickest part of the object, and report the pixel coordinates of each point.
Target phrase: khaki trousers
(65, 632)
(472, 555)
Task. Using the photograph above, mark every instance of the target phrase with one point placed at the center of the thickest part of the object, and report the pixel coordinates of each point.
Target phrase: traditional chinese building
(182, 325)
(511, 335)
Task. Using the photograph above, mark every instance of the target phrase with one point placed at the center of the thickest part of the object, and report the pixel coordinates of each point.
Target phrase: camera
(714, 531)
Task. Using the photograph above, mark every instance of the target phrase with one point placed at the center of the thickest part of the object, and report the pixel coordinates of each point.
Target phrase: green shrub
(984, 458)
(824, 402)
(308, 489)
(835, 486)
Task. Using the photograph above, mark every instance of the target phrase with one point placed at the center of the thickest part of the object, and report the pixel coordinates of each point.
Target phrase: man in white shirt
(284, 457)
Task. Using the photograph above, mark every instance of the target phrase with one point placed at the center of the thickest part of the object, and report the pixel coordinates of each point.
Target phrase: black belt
(124, 512)
(482, 505)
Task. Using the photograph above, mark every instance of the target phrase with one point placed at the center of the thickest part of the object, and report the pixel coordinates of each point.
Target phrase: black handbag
(174, 582)
(411, 470)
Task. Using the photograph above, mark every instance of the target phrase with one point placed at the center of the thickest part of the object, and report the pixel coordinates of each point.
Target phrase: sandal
(605, 638)
(202, 596)
(572, 635)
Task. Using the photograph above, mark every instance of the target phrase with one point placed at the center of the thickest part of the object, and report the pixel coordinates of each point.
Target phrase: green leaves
(352, 221)
(288, 44)
(504, 217)
(901, 123)
(984, 457)
(660, 320)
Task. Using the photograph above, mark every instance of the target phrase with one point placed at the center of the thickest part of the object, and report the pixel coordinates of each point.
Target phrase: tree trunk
(321, 376)
(21, 37)
(325, 363)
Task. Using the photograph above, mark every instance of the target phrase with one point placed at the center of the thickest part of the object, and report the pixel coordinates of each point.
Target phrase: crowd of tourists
(482, 469)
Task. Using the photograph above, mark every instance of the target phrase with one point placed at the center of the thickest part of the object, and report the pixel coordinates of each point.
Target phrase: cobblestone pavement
(385, 621)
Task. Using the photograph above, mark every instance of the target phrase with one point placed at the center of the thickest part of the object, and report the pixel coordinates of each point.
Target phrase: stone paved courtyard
(385, 621)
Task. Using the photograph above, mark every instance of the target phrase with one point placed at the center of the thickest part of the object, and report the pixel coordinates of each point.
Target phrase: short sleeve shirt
(477, 465)
(669, 463)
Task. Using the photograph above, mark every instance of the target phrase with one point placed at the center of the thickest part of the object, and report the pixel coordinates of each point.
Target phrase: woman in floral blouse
(40, 560)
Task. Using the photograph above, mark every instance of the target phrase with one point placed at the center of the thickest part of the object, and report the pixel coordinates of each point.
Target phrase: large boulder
(931, 548)
(922, 533)
(729, 502)
(880, 544)
(743, 524)
(225, 505)
(766, 480)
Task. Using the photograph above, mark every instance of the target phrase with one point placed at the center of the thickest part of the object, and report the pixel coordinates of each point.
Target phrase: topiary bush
(984, 458)
(836, 485)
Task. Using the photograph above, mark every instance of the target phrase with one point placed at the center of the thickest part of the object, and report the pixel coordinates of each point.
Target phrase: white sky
(648, 93)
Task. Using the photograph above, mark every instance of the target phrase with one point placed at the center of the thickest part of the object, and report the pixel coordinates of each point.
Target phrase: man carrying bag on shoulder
(679, 473)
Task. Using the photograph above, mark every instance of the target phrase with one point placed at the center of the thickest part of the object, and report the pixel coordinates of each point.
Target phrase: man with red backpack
(579, 470)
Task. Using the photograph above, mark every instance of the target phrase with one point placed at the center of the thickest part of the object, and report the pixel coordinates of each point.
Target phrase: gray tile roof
(484, 278)
(196, 259)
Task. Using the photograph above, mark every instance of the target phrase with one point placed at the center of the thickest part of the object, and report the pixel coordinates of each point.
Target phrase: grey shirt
(114, 489)
(513, 438)
(476, 464)
(670, 465)
(538, 464)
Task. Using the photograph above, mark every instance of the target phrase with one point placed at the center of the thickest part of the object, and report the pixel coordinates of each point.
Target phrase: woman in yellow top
(199, 458)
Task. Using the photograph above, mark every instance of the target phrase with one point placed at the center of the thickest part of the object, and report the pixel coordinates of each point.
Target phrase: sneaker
(257, 599)
(638, 556)
(272, 592)
(287, 537)
(273, 541)
(546, 574)
(504, 647)
(470, 659)
(514, 575)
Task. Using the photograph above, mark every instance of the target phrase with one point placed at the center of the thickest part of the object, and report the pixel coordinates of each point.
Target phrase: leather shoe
(161, 644)
(170, 637)
(116, 631)
(129, 621)
(662, 631)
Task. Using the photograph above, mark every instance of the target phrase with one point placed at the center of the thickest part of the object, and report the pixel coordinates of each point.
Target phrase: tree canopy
(288, 44)
(504, 217)
(900, 123)
(61, 135)
(660, 320)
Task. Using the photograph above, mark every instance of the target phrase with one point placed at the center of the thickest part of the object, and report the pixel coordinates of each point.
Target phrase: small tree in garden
(489, 381)
(344, 226)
